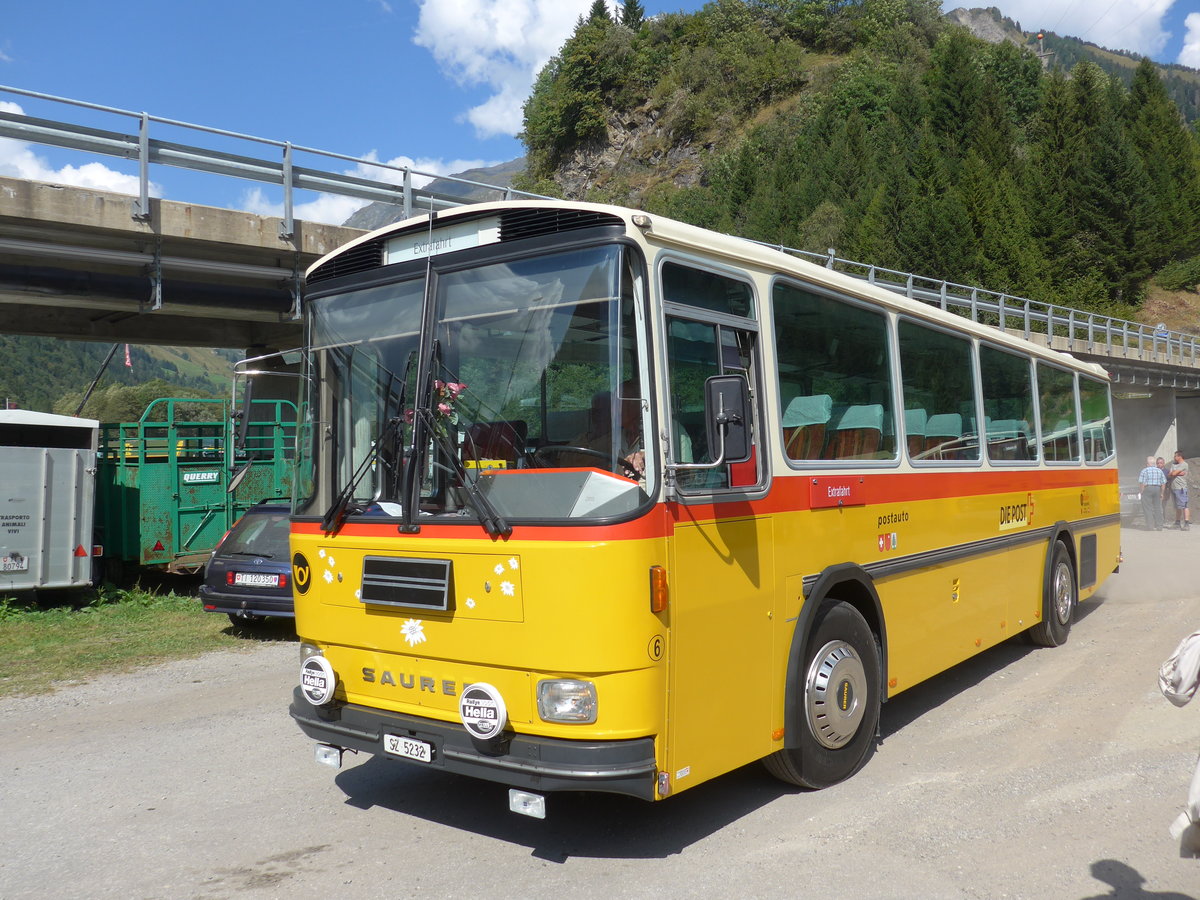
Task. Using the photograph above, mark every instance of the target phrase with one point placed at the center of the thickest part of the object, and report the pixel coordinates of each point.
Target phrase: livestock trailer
(47, 491)
(164, 496)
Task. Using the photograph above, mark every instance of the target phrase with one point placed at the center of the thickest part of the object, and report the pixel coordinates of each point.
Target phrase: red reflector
(79, 551)
(209, 607)
(157, 546)
(283, 581)
(658, 589)
(97, 549)
(229, 577)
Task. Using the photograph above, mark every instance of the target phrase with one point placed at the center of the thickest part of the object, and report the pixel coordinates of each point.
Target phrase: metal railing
(1060, 327)
(394, 184)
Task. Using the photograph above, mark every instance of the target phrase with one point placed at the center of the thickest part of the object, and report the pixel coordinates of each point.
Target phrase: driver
(598, 434)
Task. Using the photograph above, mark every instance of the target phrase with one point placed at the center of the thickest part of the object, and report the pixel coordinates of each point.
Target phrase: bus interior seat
(1007, 439)
(858, 432)
(495, 440)
(804, 424)
(943, 435)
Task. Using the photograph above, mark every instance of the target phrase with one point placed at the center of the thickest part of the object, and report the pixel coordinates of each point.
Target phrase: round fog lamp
(317, 680)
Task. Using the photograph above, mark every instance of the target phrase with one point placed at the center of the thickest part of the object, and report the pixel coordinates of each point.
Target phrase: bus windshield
(533, 404)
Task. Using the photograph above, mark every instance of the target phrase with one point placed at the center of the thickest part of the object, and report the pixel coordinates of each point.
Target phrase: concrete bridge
(74, 264)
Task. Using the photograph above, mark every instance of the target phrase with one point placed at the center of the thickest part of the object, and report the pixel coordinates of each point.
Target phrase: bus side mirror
(727, 415)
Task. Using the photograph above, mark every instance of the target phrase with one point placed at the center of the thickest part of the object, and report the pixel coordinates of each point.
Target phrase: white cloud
(1190, 54)
(1134, 25)
(17, 160)
(500, 44)
(334, 210)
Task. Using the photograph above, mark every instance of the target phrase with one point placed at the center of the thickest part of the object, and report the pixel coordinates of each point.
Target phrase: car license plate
(14, 563)
(409, 748)
(255, 579)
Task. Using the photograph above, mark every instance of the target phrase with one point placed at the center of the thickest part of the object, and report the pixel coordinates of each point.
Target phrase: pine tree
(955, 84)
(632, 14)
(599, 10)
(1172, 162)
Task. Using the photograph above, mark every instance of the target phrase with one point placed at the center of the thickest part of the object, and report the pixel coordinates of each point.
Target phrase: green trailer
(163, 497)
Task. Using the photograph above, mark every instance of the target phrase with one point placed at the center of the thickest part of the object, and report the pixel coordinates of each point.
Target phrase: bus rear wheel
(840, 698)
(1062, 596)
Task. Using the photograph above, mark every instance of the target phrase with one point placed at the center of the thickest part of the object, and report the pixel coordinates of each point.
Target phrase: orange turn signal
(658, 589)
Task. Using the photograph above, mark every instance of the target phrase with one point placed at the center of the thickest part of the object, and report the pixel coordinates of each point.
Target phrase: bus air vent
(527, 223)
(367, 255)
(399, 581)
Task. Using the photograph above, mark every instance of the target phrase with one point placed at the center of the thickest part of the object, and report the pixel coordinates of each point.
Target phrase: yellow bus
(590, 499)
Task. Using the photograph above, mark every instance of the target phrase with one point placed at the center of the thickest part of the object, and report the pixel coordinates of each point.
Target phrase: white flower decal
(328, 577)
(331, 562)
(470, 603)
(507, 588)
(321, 553)
(499, 570)
(413, 631)
(358, 594)
(512, 563)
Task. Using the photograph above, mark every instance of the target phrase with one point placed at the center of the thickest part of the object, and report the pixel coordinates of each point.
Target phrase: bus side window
(1060, 427)
(939, 378)
(1007, 405)
(1097, 420)
(835, 378)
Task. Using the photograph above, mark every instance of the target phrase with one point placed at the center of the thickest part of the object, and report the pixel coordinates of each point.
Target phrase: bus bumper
(533, 763)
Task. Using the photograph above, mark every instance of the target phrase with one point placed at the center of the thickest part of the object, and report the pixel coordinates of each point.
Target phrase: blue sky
(433, 84)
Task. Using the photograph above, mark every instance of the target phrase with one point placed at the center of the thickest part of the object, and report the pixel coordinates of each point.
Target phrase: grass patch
(93, 632)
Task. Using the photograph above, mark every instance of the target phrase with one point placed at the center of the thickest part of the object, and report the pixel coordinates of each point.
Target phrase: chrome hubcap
(834, 694)
(1064, 593)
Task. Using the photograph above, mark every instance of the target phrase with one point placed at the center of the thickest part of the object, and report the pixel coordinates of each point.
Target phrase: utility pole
(1041, 51)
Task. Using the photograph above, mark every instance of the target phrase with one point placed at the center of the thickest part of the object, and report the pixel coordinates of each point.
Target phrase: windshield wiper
(493, 523)
(332, 521)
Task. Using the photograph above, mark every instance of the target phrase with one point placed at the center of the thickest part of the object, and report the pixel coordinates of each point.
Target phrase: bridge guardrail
(394, 185)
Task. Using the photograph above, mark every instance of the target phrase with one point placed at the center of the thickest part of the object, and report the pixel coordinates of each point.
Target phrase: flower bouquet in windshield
(443, 405)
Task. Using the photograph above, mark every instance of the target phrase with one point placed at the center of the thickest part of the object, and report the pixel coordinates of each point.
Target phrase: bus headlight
(564, 700)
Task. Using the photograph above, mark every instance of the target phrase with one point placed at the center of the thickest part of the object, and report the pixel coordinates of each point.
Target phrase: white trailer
(47, 497)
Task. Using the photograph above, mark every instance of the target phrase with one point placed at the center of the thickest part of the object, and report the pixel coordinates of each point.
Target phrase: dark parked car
(249, 574)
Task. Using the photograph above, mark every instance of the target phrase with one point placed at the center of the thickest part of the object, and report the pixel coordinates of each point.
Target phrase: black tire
(1061, 598)
(840, 697)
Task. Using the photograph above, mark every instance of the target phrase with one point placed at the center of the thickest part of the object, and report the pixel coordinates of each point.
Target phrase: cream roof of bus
(666, 233)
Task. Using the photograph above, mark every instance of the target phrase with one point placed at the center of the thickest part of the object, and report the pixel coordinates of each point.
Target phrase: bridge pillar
(1145, 423)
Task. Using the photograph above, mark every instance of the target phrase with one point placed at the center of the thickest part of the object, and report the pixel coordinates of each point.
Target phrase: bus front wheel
(840, 698)
(1062, 596)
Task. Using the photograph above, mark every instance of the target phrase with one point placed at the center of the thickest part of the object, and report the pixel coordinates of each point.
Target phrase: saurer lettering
(410, 682)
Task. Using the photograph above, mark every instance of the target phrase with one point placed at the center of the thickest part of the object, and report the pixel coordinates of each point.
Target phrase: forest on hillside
(877, 128)
(50, 375)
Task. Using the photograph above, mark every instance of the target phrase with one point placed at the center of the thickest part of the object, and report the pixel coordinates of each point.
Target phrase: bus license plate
(255, 579)
(14, 563)
(398, 745)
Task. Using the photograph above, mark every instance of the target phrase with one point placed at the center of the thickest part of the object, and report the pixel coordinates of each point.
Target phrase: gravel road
(1025, 773)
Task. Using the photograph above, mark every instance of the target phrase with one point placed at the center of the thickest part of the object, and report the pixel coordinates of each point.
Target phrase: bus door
(720, 698)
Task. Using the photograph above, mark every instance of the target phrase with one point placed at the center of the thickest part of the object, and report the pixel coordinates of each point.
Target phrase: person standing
(1152, 480)
(1168, 502)
(1179, 490)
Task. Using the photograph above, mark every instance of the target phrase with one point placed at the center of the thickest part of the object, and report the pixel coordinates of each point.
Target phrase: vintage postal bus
(590, 499)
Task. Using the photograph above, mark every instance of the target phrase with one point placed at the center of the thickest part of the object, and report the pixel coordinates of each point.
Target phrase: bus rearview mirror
(727, 415)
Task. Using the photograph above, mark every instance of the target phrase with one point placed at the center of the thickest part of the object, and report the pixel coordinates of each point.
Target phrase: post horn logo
(301, 573)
